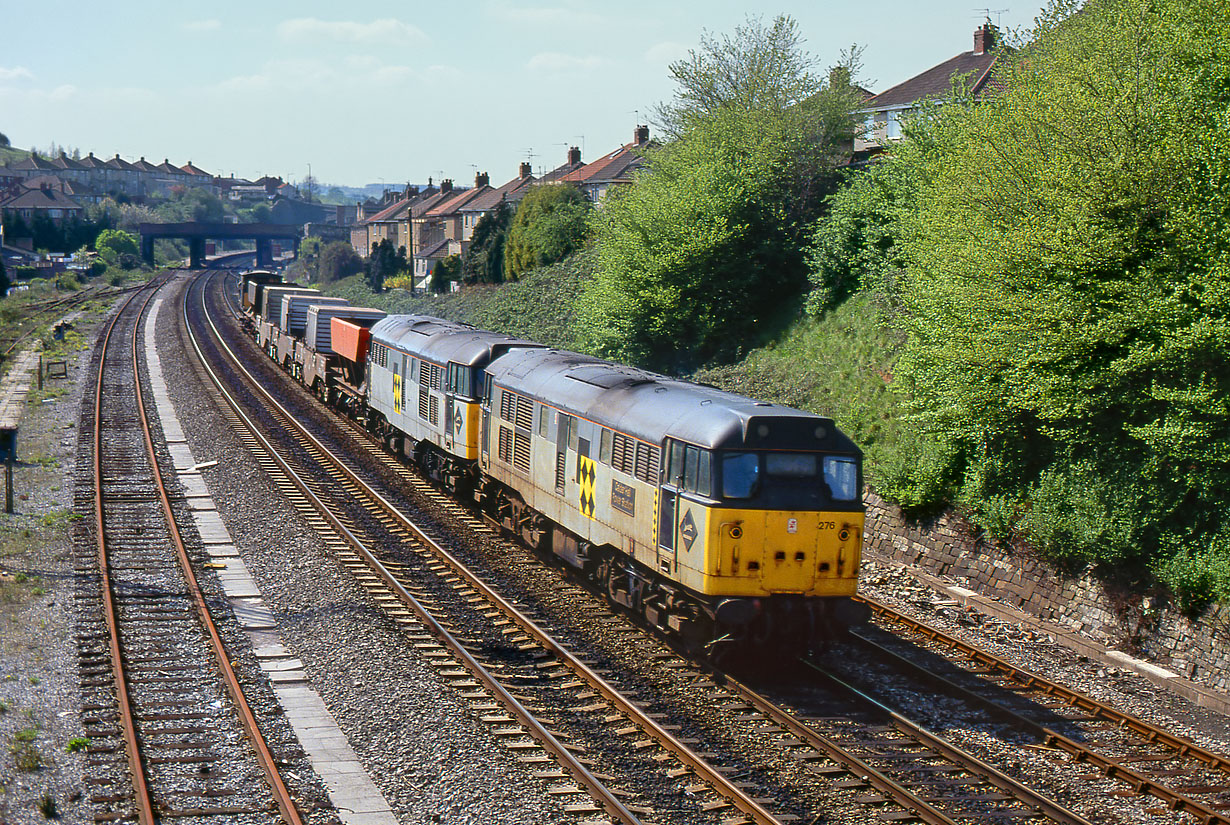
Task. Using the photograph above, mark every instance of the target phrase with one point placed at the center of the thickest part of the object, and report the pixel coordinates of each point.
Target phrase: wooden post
(8, 486)
(40, 373)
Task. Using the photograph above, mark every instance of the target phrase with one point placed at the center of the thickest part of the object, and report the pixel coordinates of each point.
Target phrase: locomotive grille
(381, 355)
(621, 453)
(525, 413)
(521, 451)
(559, 473)
(506, 445)
(423, 403)
(508, 402)
(646, 463)
(434, 412)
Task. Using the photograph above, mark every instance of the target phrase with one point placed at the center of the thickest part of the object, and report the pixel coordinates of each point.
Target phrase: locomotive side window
(544, 421)
(674, 465)
(604, 450)
(740, 475)
(572, 433)
(690, 469)
(841, 474)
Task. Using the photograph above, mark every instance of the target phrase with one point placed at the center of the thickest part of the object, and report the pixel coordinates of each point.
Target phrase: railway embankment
(1122, 626)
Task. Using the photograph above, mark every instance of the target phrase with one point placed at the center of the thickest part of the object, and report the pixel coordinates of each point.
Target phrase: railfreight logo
(586, 474)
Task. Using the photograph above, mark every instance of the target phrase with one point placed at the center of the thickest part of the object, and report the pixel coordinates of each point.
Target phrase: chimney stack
(984, 38)
(446, 185)
(641, 135)
(481, 179)
(525, 171)
(574, 156)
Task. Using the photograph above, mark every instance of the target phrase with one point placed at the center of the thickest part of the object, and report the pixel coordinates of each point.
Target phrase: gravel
(38, 659)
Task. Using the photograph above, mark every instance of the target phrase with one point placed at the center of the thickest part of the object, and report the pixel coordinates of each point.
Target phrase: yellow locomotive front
(769, 537)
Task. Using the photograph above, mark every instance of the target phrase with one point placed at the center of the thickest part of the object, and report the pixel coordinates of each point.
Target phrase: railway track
(170, 730)
(1145, 757)
(954, 787)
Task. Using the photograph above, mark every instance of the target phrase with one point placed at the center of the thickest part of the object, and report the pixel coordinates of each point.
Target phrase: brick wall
(1144, 625)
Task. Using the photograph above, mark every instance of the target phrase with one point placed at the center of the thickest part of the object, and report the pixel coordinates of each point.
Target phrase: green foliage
(113, 244)
(4, 141)
(840, 365)
(190, 204)
(758, 68)
(702, 255)
(854, 246)
(338, 260)
(77, 743)
(550, 223)
(1066, 299)
(483, 261)
(385, 262)
(444, 273)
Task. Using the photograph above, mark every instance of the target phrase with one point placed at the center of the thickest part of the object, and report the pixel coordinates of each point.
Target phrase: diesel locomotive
(720, 519)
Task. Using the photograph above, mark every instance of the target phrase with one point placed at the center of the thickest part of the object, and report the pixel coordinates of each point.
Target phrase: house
(76, 191)
(571, 165)
(30, 202)
(425, 261)
(612, 169)
(386, 218)
(510, 193)
(884, 111)
(445, 219)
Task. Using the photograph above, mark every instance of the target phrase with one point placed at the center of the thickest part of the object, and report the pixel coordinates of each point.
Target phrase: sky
(396, 92)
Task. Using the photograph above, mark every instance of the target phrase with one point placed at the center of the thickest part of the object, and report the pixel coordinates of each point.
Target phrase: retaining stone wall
(1143, 626)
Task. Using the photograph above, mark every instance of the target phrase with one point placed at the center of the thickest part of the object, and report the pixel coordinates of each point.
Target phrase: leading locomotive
(720, 519)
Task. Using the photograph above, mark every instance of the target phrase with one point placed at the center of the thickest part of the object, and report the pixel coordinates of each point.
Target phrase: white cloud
(546, 16)
(15, 73)
(662, 54)
(385, 31)
(558, 62)
(202, 26)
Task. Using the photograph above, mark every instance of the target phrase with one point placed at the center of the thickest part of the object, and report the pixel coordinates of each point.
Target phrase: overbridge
(196, 233)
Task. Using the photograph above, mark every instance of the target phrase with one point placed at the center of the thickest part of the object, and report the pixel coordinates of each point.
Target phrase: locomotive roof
(442, 341)
(651, 406)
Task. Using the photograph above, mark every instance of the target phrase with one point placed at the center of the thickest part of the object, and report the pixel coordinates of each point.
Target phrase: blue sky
(395, 91)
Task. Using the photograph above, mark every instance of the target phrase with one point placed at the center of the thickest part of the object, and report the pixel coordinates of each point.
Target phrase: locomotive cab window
(841, 474)
(740, 475)
(460, 380)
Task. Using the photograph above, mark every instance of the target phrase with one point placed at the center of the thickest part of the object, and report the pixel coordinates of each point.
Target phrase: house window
(869, 128)
(893, 129)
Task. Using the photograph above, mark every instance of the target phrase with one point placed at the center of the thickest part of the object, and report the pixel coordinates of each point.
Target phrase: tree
(385, 261)
(758, 68)
(483, 261)
(338, 260)
(703, 253)
(550, 224)
(854, 246)
(444, 273)
(117, 247)
(4, 141)
(1067, 295)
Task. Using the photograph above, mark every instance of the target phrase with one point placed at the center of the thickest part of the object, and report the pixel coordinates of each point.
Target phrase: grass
(24, 750)
(839, 365)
